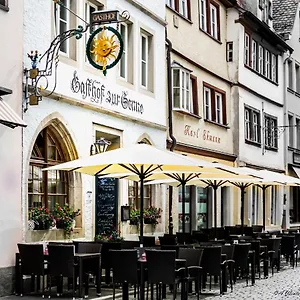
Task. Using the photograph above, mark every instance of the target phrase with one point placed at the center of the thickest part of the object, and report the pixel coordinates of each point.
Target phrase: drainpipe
(286, 204)
(170, 119)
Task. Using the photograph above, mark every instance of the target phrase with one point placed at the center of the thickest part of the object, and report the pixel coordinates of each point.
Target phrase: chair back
(61, 260)
(241, 253)
(229, 251)
(148, 241)
(89, 247)
(192, 256)
(171, 247)
(168, 240)
(161, 266)
(129, 244)
(211, 260)
(199, 236)
(105, 252)
(124, 264)
(287, 244)
(32, 259)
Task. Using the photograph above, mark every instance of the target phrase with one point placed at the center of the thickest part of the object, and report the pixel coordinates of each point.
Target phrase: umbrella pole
(142, 207)
(242, 206)
(264, 206)
(215, 187)
(170, 210)
(183, 208)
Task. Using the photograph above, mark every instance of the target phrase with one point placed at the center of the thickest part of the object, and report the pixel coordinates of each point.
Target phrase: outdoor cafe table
(80, 259)
(179, 263)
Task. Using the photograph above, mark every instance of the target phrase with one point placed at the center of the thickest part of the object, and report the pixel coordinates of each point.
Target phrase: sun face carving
(104, 48)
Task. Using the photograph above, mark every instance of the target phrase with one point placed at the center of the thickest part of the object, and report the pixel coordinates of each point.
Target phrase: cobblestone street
(283, 285)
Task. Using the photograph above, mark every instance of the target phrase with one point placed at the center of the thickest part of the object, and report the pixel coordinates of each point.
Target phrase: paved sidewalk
(283, 285)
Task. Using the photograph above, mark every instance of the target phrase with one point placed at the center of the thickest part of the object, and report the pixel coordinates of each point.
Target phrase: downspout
(286, 206)
(170, 123)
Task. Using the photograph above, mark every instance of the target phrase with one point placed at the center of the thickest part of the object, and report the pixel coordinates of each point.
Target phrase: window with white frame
(247, 49)
(180, 6)
(214, 104)
(144, 60)
(229, 54)
(274, 196)
(291, 131)
(297, 71)
(124, 59)
(298, 133)
(270, 130)
(252, 125)
(63, 23)
(203, 13)
(181, 89)
(185, 91)
(261, 59)
(254, 55)
(209, 17)
(267, 64)
(274, 67)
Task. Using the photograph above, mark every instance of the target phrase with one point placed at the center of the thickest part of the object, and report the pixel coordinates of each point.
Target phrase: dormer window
(266, 10)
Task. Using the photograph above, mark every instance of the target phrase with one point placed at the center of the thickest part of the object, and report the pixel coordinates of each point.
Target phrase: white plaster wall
(38, 34)
(252, 154)
(11, 32)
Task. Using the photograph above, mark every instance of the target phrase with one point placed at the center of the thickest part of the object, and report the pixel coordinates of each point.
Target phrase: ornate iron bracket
(33, 92)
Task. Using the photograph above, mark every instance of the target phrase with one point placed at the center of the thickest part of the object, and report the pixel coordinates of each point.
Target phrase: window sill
(4, 7)
(260, 75)
(216, 40)
(271, 149)
(297, 94)
(184, 112)
(217, 124)
(296, 150)
(179, 14)
(256, 144)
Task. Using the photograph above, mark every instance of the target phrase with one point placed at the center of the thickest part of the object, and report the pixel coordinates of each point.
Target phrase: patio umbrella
(215, 176)
(140, 160)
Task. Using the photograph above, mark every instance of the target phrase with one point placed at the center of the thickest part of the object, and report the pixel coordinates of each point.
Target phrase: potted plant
(134, 216)
(41, 217)
(109, 236)
(65, 217)
(151, 215)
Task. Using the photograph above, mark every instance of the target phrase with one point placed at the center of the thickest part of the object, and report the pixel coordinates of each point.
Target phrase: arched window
(45, 188)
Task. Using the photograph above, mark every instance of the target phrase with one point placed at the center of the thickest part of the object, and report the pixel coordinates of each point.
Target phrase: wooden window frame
(208, 4)
(42, 161)
(252, 140)
(175, 5)
(247, 56)
(267, 131)
(213, 91)
(125, 52)
(143, 35)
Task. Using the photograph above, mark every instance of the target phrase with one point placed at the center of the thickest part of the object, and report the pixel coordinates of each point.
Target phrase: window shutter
(270, 10)
(224, 112)
(218, 23)
(208, 17)
(189, 9)
(213, 105)
(177, 5)
(195, 95)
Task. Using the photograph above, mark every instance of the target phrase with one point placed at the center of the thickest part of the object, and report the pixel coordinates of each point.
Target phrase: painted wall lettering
(197, 133)
(97, 92)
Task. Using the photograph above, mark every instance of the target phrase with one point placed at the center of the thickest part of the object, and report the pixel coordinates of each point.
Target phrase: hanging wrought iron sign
(104, 48)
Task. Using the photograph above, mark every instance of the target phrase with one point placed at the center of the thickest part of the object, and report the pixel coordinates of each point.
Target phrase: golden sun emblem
(104, 48)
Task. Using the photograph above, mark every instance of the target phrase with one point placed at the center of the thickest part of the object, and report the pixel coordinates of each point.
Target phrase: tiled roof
(284, 12)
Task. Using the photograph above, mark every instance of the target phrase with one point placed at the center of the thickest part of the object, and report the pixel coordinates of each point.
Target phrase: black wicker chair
(229, 251)
(148, 241)
(241, 254)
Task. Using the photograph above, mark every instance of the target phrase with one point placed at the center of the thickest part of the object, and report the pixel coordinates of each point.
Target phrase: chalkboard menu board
(106, 204)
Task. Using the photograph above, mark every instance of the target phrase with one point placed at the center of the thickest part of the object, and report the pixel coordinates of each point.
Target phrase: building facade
(125, 107)
(200, 112)
(11, 29)
(286, 24)
(256, 70)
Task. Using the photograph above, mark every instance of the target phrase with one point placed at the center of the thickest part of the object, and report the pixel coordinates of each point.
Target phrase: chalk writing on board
(106, 204)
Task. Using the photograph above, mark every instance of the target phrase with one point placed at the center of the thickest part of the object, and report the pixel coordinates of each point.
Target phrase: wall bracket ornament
(105, 51)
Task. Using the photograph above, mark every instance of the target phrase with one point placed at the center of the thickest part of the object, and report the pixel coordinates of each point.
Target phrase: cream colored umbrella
(140, 160)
